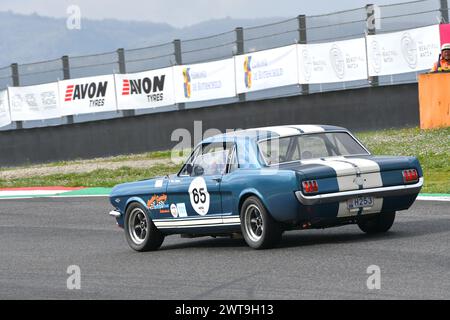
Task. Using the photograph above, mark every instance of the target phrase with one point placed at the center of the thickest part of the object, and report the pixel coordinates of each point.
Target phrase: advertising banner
(332, 61)
(204, 81)
(404, 51)
(147, 89)
(87, 95)
(266, 69)
(34, 102)
(5, 118)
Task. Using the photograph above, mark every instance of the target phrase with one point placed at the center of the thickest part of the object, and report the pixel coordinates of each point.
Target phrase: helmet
(445, 46)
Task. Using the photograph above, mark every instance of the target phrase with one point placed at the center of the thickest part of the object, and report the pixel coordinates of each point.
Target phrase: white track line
(433, 198)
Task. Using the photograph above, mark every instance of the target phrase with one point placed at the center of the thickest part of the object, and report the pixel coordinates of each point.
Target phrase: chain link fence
(334, 26)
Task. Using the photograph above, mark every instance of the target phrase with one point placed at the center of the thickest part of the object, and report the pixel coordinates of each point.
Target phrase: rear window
(310, 146)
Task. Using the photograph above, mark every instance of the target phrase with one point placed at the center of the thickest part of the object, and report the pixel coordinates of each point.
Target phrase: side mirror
(198, 170)
(189, 168)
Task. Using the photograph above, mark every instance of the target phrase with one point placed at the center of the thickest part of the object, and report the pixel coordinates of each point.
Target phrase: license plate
(361, 202)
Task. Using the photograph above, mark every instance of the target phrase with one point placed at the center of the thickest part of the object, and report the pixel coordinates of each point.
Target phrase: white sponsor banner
(34, 102)
(332, 61)
(87, 95)
(404, 51)
(147, 89)
(204, 81)
(5, 117)
(266, 69)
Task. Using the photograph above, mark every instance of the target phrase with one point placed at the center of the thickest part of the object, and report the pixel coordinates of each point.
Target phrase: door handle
(217, 179)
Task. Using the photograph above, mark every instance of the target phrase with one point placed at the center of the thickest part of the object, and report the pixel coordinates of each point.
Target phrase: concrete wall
(356, 109)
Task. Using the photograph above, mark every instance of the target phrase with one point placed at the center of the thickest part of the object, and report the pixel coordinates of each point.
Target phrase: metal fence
(342, 25)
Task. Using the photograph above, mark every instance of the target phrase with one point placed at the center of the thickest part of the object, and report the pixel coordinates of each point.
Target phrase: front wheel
(140, 232)
(382, 222)
(259, 229)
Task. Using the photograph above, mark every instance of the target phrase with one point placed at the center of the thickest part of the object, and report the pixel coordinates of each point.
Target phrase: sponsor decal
(181, 209)
(248, 72)
(152, 88)
(94, 91)
(159, 183)
(174, 210)
(337, 61)
(409, 50)
(187, 82)
(199, 196)
(376, 56)
(158, 202)
(307, 64)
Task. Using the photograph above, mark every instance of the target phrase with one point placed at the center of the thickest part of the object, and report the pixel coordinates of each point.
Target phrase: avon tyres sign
(147, 89)
(87, 95)
(5, 118)
(204, 81)
(34, 102)
(266, 69)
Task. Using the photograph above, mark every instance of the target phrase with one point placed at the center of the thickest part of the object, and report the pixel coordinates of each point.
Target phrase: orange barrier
(434, 100)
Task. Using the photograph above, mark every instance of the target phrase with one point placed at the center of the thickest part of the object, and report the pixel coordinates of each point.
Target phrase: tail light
(310, 186)
(410, 176)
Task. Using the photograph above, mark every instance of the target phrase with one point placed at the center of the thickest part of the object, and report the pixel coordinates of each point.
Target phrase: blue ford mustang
(258, 183)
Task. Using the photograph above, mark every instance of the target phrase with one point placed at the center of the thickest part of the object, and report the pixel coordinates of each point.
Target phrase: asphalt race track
(40, 238)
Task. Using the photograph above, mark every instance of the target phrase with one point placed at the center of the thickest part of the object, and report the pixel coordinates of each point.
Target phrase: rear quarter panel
(275, 188)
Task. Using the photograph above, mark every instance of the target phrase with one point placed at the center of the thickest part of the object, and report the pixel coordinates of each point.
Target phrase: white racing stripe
(231, 219)
(193, 222)
(345, 172)
(364, 165)
(341, 168)
(281, 131)
(370, 172)
(308, 128)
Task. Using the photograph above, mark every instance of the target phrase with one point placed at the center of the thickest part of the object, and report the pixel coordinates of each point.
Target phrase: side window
(233, 160)
(187, 168)
(211, 159)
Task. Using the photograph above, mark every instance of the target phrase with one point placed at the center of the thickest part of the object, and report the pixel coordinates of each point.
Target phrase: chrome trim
(114, 213)
(344, 195)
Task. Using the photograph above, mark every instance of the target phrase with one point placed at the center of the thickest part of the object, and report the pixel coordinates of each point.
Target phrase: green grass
(156, 155)
(96, 178)
(432, 147)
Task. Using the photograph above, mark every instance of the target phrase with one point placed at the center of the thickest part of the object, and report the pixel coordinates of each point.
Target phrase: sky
(181, 13)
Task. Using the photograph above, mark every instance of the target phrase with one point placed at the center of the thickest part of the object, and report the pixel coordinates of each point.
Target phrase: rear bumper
(345, 195)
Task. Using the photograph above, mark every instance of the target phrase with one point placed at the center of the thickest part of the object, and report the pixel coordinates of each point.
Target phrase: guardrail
(303, 29)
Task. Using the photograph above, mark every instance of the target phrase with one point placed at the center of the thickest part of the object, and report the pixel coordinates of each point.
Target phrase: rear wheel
(259, 229)
(140, 232)
(382, 222)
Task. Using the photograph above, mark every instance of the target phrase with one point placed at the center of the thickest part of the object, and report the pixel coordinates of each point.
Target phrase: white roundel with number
(198, 193)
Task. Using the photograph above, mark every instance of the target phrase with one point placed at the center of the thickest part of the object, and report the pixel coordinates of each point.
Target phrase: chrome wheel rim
(137, 226)
(254, 225)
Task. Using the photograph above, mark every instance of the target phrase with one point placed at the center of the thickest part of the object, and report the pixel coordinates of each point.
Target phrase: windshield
(310, 146)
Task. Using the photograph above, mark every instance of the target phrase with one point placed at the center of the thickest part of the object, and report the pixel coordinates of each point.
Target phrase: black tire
(382, 222)
(145, 237)
(270, 232)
